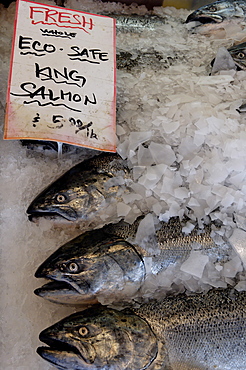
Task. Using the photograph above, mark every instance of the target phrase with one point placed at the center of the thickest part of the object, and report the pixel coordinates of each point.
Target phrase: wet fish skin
(108, 264)
(219, 11)
(203, 331)
(80, 192)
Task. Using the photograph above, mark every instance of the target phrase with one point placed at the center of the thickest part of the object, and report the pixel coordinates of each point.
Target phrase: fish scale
(170, 243)
(203, 326)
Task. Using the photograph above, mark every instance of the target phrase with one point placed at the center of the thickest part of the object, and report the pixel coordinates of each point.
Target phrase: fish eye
(73, 267)
(240, 55)
(61, 198)
(83, 331)
(212, 8)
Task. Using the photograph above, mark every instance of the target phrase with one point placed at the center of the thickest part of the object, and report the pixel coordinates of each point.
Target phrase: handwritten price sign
(62, 83)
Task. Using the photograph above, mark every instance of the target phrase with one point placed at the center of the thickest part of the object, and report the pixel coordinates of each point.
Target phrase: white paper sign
(62, 83)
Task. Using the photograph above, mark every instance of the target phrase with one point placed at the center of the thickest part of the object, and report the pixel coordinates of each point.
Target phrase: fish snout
(192, 17)
(41, 272)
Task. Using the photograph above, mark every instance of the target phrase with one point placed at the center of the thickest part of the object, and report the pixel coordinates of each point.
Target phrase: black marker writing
(88, 55)
(26, 43)
(56, 118)
(44, 93)
(48, 73)
(57, 33)
(82, 126)
(60, 121)
(36, 119)
(78, 123)
(50, 103)
(91, 134)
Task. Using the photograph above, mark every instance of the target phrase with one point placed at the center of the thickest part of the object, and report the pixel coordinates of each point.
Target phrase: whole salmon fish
(109, 264)
(199, 332)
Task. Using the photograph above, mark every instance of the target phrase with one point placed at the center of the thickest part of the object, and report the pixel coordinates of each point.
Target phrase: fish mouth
(59, 292)
(204, 19)
(63, 293)
(35, 214)
(61, 354)
(53, 287)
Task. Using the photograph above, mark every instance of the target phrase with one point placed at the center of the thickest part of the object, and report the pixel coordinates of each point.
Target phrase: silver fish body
(137, 23)
(219, 11)
(80, 192)
(109, 265)
(203, 331)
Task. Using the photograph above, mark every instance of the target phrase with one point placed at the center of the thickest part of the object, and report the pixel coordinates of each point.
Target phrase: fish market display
(180, 333)
(162, 134)
(82, 191)
(182, 140)
(109, 265)
(219, 11)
